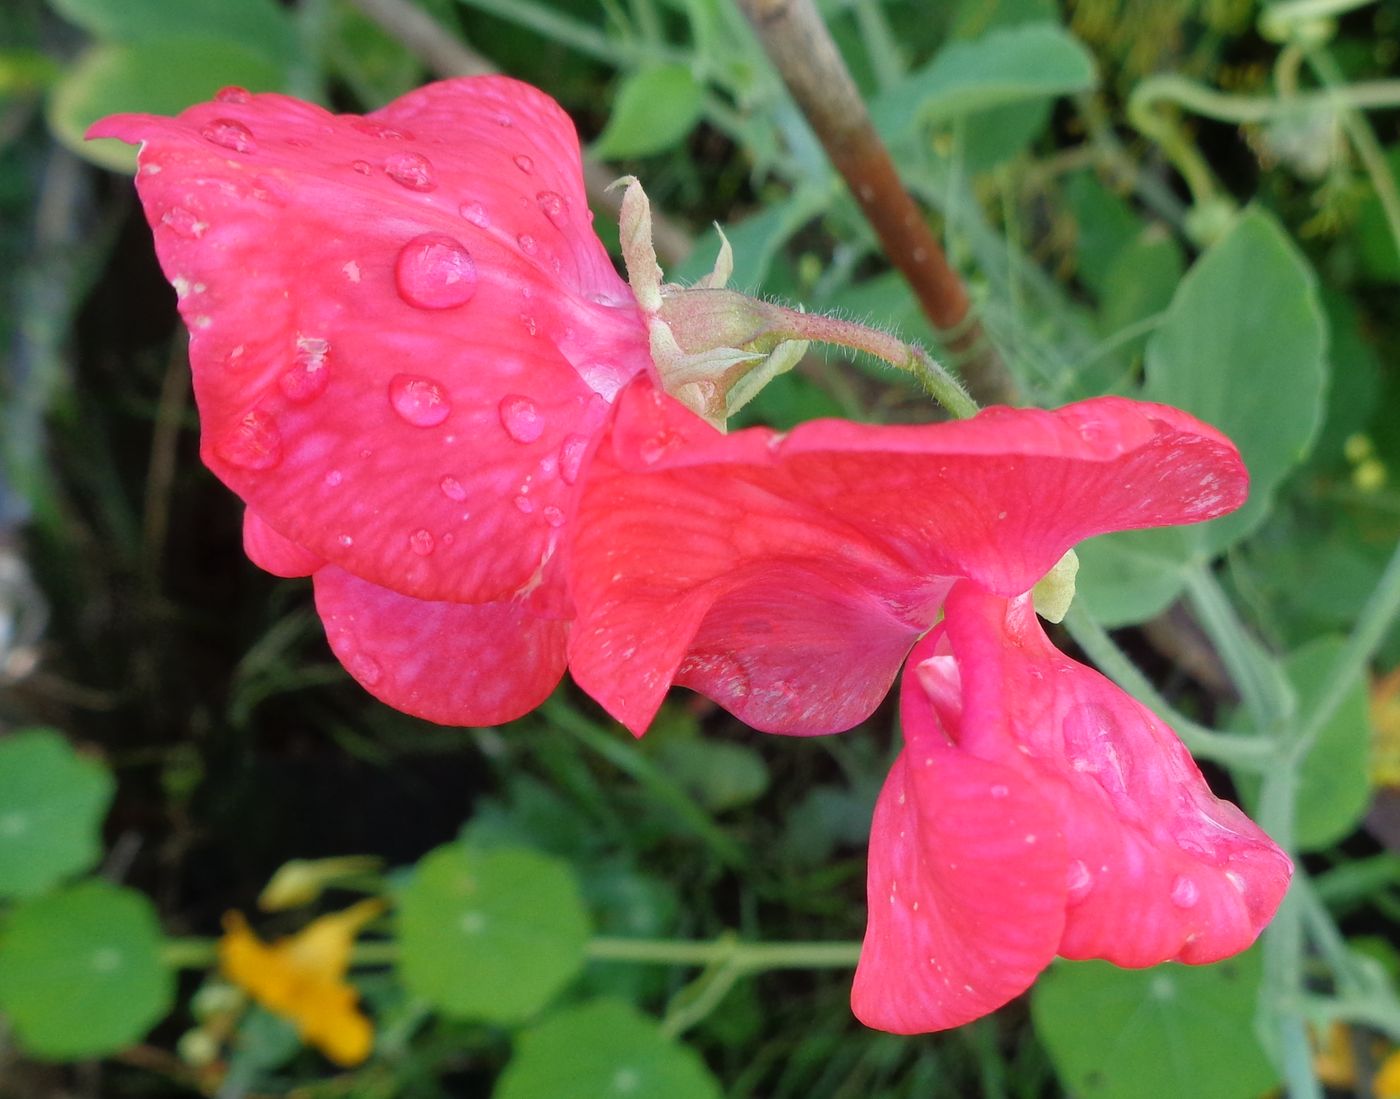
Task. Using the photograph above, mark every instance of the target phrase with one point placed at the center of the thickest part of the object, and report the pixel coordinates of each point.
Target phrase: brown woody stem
(801, 48)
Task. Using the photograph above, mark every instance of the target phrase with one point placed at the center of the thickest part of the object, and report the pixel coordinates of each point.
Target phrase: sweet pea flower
(1037, 810)
(787, 576)
(404, 338)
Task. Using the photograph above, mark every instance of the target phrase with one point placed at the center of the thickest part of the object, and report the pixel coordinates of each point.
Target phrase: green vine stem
(1235, 750)
(727, 950)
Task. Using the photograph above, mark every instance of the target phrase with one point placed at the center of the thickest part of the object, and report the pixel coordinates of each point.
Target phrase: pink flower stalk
(788, 576)
(1038, 810)
(404, 337)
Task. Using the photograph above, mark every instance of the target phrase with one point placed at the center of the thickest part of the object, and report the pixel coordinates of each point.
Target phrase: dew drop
(1079, 881)
(571, 453)
(475, 213)
(334, 477)
(229, 133)
(654, 449)
(419, 401)
(553, 516)
(525, 504)
(378, 129)
(410, 170)
(362, 166)
(435, 271)
(346, 541)
(1185, 893)
(999, 791)
(307, 378)
(528, 244)
(529, 323)
(253, 443)
(524, 163)
(502, 119)
(521, 419)
(452, 489)
(421, 542)
(555, 207)
(232, 94)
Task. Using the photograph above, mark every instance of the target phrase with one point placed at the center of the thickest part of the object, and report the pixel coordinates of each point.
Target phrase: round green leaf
(81, 973)
(155, 77)
(262, 27)
(718, 775)
(52, 803)
(603, 1050)
(1156, 1033)
(491, 935)
(1243, 347)
(654, 111)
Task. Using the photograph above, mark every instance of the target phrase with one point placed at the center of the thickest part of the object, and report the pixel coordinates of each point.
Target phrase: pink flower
(787, 576)
(1038, 810)
(404, 337)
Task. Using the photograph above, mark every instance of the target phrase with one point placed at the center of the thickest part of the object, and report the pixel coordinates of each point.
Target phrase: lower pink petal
(1159, 867)
(452, 663)
(966, 890)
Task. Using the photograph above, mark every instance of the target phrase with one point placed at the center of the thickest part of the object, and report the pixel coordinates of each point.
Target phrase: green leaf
(1027, 62)
(52, 802)
(603, 1050)
(719, 776)
(1104, 226)
(491, 935)
(161, 77)
(81, 973)
(1334, 781)
(655, 109)
(261, 27)
(1133, 576)
(1156, 1033)
(1243, 348)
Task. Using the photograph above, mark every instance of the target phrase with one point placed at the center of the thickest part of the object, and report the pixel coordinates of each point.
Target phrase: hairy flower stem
(910, 358)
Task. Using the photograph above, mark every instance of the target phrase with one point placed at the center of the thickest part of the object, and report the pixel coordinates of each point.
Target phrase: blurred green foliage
(233, 742)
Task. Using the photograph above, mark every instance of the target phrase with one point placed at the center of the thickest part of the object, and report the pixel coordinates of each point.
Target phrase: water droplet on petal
(999, 791)
(654, 449)
(524, 163)
(232, 94)
(529, 323)
(420, 401)
(521, 419)
(1185, 893)
(434, 271)
(362, 166)
(571, 452)
(378, 129)
(346, 541)
(184, 222)
(411, 170)
(253, 443)
(528, 244)
(525, 504)
(334, 477)
(553, 516)
(1079, 881)
(475, 213)
(452, 489)
(229, 133)
(555, 207)
(307, 378)
(421, 542)
(500, 118)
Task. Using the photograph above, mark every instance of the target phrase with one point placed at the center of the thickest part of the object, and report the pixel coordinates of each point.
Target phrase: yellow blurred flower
(1386, 1085)
(302, 978)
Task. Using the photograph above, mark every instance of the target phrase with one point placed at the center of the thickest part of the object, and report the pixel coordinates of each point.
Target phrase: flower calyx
(714, 348)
